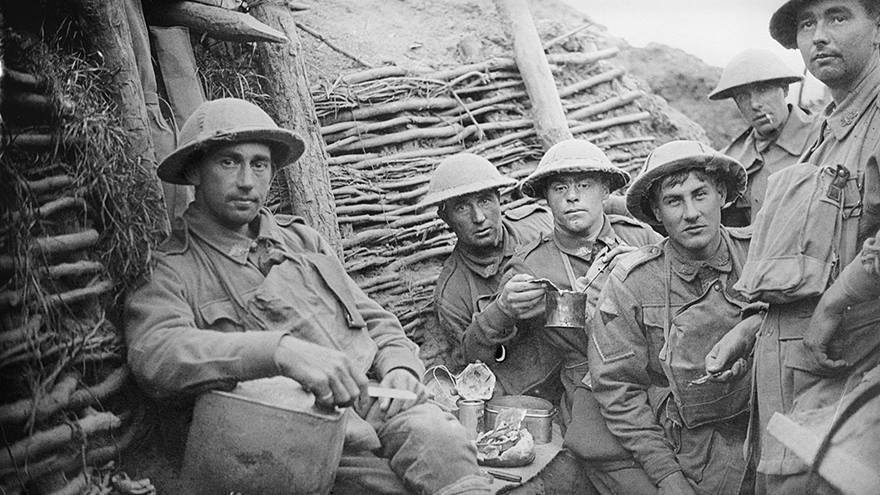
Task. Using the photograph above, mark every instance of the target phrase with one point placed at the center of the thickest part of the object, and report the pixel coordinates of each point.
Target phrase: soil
(684, 81)
(426, 35)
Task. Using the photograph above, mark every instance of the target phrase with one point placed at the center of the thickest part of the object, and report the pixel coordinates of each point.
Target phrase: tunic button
(717, 285)
(253, 246)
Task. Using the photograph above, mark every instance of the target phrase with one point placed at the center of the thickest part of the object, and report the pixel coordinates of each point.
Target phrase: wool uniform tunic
(550, 258)
(763, 157)
(609, 467)
(217, 306)
(785, 376)
(658, 313)
(464, 286)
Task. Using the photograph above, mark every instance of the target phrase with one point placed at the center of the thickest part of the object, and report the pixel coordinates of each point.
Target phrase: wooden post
(550, 122)
(308, 179)
(107, 25)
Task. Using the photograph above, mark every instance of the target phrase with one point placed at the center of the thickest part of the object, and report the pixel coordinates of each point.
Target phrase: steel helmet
(461, 174)
(227, 121)
(571, 156)
(681, 155)
(783, 23)
(749, 67)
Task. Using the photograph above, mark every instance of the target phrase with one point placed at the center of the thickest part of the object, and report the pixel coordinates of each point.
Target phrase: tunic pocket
(220, 315)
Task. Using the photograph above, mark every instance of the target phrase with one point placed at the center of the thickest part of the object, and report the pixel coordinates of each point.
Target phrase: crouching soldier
(661, 311)
(466, 189)
(576, 178)
(219, 309)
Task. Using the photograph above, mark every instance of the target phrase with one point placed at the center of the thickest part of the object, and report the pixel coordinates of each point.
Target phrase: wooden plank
(847, 473)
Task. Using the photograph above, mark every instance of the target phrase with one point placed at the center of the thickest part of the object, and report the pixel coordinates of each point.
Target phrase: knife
(393, 393)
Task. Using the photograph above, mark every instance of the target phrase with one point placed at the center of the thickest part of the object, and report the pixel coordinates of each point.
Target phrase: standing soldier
(824, 212)
(465, 187)
(778, 132)
(575, 177)
(661, 310)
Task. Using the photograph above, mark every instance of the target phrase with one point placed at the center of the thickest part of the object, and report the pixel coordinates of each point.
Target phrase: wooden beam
(550, 122)
(308, 179)
(847, 473)
(219, 23)
(106, 25)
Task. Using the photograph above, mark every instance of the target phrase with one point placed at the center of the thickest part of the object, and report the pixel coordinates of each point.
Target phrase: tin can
(470, 414)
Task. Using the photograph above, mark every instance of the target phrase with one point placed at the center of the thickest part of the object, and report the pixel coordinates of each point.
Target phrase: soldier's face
(837, 40)
(232, 183)
(475, 219)
(691, 214)
(576, 201)
(763, 106)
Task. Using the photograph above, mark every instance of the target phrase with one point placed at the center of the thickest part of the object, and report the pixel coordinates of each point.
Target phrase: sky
(713, 30)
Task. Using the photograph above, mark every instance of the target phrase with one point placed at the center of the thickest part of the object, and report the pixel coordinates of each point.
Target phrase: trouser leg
(622, 481)
(792, 484)
(427, 448)
(366, 474)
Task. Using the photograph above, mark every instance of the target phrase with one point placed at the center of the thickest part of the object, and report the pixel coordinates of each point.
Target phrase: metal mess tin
(565, 309)
(539, 414)
(265, 436)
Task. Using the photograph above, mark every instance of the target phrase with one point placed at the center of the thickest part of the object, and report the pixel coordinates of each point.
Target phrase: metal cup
(565, 309)
(470, 414)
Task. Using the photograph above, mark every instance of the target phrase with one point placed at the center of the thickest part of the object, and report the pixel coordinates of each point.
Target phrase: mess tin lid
(535, 407)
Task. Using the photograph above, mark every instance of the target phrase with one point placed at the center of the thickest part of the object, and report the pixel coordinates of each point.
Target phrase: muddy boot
(564, 475)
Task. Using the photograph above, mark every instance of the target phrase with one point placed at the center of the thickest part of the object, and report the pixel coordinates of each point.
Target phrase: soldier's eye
(806, 24)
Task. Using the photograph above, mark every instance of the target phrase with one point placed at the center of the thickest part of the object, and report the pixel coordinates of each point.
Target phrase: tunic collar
(792, 138)
(585, 249)
(688, 269)
(232, 244)
(840, 118)
(489, 265)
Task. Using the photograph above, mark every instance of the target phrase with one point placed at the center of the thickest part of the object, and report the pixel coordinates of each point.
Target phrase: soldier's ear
(192, 175)
(722, 191)
(442, 213)
(656, 211)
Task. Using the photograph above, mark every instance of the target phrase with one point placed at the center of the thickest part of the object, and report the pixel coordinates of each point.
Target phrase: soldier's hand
(521, 298)
(726, 360)
(675, 484)
(404, 380)
(823, 325)
(326, 372)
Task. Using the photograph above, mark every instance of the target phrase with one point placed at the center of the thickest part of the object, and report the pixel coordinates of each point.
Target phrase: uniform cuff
(257, 353)
(858, 284)
(753, 308)
(495, 326)
(393, 358)
(661, 468)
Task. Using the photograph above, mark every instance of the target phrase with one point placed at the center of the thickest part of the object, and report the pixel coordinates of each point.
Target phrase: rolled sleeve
(859, 284)
(618, 357)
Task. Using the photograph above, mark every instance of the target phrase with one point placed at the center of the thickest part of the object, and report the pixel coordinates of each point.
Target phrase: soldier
(575, 177)
(838, 41)
(466, 189)
(219, 309)
(661, 310)
(778, 132)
